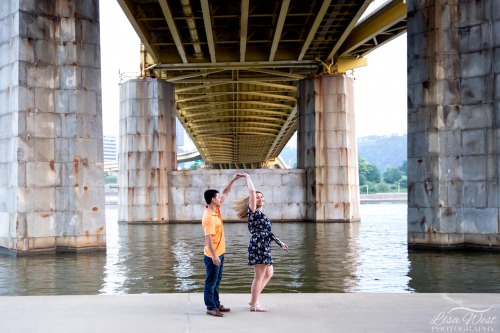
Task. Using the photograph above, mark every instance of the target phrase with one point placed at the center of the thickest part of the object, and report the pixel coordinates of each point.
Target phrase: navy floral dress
(259, 248)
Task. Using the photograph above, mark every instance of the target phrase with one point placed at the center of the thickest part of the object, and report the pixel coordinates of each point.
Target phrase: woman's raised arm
(252, 201)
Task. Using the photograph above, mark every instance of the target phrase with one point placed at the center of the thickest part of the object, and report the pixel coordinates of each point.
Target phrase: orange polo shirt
(212, 225)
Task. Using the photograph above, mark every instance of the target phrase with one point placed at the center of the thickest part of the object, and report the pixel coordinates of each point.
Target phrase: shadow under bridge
(235, 64)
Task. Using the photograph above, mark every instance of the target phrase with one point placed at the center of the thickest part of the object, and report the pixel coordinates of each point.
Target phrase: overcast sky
(380, 88)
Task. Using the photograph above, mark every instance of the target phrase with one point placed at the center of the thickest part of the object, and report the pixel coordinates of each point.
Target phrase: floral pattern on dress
(259, 248)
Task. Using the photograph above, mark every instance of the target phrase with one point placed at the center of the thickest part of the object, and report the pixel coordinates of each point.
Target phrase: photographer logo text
(461, 319)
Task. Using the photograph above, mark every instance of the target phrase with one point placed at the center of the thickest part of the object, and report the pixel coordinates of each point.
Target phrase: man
(215, 247)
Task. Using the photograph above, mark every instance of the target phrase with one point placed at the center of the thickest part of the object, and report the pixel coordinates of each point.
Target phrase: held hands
(237, 176)
(240, 175)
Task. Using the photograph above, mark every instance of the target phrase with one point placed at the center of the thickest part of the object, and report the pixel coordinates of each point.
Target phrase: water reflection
(382, 240)
(328, 255)
(115, 271)
(369, 256)
(458, 271)
(62, 274)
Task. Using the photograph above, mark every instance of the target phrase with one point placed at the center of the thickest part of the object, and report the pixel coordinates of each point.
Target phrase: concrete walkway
(304, 313)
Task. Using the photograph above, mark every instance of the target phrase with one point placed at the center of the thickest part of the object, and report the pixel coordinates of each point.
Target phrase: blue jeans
(212, 281)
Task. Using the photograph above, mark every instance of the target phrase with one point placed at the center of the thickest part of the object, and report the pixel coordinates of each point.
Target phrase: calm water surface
(369, 256)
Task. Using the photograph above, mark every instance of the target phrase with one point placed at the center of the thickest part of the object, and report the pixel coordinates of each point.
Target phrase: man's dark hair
(209, 194)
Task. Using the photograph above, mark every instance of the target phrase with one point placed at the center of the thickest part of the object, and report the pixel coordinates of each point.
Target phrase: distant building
(110, 143)
(110, 148)
(179, 135)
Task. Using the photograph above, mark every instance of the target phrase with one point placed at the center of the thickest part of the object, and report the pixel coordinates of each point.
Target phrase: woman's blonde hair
(240, 206)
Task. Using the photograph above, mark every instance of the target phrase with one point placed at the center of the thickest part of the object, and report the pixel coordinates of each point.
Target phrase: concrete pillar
(453, 123)
(327, 148)
(147, 150)
(51, 184)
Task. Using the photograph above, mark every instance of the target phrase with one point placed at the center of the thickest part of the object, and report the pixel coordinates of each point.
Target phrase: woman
(259, 251)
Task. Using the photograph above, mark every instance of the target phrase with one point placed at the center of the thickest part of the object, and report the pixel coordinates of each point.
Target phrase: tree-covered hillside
(382, 151)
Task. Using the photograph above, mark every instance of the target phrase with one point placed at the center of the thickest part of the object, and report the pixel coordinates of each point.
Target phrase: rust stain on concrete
(76, 166)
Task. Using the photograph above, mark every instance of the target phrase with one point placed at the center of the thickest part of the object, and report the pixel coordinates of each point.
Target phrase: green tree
(404, 167)
(381, 188)
(362, 180)
(403, 182)
(362, 170)
(110, 179)
(367, 172)
(373, 174)
(195, 166)
(392, 175)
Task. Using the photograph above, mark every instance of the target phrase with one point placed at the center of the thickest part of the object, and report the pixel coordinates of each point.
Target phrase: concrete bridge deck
(353, 312)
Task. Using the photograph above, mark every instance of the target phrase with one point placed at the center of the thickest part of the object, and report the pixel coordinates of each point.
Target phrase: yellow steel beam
(173, 29)
(242, 65)
(240, 110)
(314, 28)
(224, 124)
(201, 86)
(279, 28)
(204, 119)
(251, 93)
(204, 96)
(393, 12)
(208, 105)
(225, 141)
(343, 65)
(243, 29)
(196, 74)
(348, 29)
(274, 96)
(272, 85)
(240, 80)
(278, 73)
(219, 134)
(208, 29)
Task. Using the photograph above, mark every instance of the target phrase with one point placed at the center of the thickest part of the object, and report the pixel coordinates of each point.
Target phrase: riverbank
(384, 197)
(112, 198)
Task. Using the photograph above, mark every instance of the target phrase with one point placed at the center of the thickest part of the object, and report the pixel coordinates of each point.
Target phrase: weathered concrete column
(51, 184)
(453, 123)
(327, 148)
(147, 150)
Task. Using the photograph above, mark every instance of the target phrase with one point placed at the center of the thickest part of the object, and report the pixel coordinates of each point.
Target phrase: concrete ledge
(288, 313)
(384, 197)
(454, 247)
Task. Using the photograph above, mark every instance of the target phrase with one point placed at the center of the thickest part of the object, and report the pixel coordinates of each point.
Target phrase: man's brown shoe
(214, 313)
(223, 309)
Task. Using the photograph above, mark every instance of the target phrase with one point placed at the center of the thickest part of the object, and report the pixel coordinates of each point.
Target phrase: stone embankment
(112, 198)
(384, 197)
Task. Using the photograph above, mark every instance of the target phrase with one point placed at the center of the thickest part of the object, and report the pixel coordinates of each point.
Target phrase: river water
(369, 256)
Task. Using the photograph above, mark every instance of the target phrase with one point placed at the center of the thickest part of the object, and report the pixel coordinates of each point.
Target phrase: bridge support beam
(147, 150)
(327, 148)
(51, 183)
(453, 124)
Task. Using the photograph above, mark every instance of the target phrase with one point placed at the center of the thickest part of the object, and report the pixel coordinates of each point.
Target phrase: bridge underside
(235, 64)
